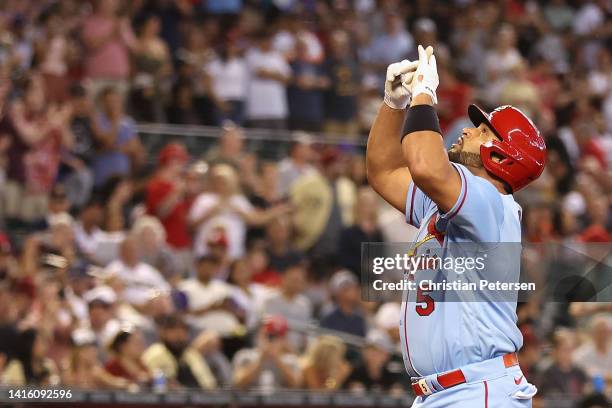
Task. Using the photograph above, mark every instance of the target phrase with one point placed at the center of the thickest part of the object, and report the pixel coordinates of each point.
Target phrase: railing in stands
(270, 144)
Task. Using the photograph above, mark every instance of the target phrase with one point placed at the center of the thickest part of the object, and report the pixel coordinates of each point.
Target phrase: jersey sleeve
(417, 205)
(478, 211)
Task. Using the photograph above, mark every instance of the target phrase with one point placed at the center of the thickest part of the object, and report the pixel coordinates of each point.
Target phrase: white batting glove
(397, 84)
(426, 78)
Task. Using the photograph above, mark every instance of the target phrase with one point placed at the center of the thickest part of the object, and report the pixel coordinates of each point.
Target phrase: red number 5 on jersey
(425, 304)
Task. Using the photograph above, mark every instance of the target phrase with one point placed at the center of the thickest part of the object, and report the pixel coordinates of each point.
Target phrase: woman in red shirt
(127, 348)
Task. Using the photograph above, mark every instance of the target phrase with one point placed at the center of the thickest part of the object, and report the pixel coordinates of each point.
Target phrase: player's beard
(465, 158)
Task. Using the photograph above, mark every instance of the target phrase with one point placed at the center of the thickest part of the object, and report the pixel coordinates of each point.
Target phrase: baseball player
(458, 354)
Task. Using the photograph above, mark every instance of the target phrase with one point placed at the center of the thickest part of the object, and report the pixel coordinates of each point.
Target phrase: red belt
(453, 378)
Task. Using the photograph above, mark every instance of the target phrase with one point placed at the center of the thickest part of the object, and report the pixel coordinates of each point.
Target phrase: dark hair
(171, 321)
(120, 339)
(77, 90)
(24, 352)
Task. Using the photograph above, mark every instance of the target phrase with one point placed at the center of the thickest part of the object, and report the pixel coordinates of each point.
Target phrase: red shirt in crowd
(454, 101)
(175, 222)
(114, 367)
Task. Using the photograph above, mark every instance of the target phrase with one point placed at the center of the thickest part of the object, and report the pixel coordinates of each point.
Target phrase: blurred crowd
(126, 268)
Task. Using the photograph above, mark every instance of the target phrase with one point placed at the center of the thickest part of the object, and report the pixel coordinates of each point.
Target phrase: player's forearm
(424, 152)
(383, 154)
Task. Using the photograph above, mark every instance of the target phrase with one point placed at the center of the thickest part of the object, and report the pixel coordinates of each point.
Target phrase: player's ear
(497, 158)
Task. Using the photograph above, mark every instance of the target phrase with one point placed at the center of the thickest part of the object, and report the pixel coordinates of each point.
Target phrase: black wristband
(421, 117)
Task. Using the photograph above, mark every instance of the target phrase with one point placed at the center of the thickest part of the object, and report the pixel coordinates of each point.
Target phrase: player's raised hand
(397, 93)
(426, 78)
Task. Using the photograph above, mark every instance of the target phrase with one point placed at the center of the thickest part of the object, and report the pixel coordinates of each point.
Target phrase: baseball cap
(101, 294)
(342, 279)
(275, 325)
(380, 339)
(83, 337)
(388, 316)
(217, 237)
(173, 151)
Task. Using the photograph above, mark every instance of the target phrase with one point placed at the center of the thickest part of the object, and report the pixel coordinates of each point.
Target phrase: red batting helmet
(522, 150)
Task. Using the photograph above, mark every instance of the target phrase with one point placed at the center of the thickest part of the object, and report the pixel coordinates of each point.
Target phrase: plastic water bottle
(599, 383)
(160, 383)
(266, 382)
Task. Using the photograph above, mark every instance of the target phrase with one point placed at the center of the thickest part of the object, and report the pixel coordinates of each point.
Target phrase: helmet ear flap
(496, 160)
(491, 151)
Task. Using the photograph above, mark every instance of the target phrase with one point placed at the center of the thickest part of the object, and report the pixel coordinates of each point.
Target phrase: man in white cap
(346, 316)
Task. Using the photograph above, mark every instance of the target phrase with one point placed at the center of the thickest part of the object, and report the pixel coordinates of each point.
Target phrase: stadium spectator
(394, 44)
(298, 163)
(101, 304)
(88, 235)
(271, 364)
(119, 149)
(151, 239)
(75, 172)
(178, 359)
(519, 91)
(83, 368)
(247, 295)
(151, 63)
(563, 376)
(324, 365)
(305, 93)
(341, 98)
(455, 95)
(230, 149)
(338, 193)
(346, 315)
(500, 60)
(290, 302)
(126, 362)
(259, 262)
(375, 370)
(30, 364)
(53, 52)
(167, 198)
(269, 74)
(182, 109)
(594, 357)
(210, 305)
(108, 39)
(194, 54)
(58, 240)
(230, 80)
(37, 133)
(119, 193)
(141, 281)
(364, 229)
(224, 206)
(280, 250)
